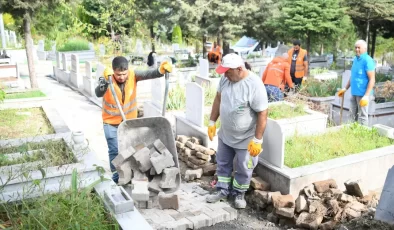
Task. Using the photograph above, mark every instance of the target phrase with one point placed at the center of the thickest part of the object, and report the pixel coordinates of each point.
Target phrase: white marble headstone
(64, 62)
(41, 45)
(385, 208)
(99, 71)
(157, 92)
(204, 68)
(274, 144)
(91, 46)
(88, 69)
(58, 59)
(102, 49)
(195, 104)
(74, 63)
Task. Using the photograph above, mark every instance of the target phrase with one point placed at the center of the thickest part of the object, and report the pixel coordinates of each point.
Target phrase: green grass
(27, 122)
(57, 153)
(28, 94)
(176, 98)
(74, 45)
(315, 88)
(282, 111)
(352, 139)
(73, 209)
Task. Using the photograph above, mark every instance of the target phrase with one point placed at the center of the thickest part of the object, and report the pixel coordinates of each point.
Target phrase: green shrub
(2, 95)
(352, 139)
(316, 88)
(381, 77)
(318, 71)
(177, 35)
(74, 45)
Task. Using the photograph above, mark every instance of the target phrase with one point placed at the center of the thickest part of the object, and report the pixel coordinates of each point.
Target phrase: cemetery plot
(352, 139)
(26, 122)
(283, 111)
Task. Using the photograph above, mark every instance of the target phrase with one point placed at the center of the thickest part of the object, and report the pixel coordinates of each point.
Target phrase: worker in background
(125, 85)
(362, 81)
(298, 60)
(215, 55)
(276, 76)
(241, 101)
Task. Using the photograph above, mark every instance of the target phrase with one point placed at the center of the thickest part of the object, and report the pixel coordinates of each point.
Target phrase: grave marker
(204, 68)
(195, 104)
(64, 62)
(58, 59)
(274, 144)
(385, 209)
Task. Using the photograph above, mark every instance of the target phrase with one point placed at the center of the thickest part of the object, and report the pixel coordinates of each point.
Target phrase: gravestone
(88, 69)
(157, 92)
(13, 38)
(138, 47)
(385, 209)
(99, 72)
(91, 46)
(88, 82)
(41, 46)
(274, 144)
(53, 47)
(64, 62)
(204, 68)
(7, 36)
(102, 49)
(58, 59)
(195, 104)
(75, 76)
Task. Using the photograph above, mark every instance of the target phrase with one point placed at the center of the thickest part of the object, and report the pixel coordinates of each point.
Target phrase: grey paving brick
(217, 205)
(162, 218)
(143, 159)
(154, 185)
(218, 215)
(170, 212)
(181, 215)
(123, 156)
(232, 211)
(181, 224)
(169, 178)
(200, 221)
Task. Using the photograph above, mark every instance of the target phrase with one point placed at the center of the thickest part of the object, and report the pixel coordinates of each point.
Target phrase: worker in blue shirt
(362, 81)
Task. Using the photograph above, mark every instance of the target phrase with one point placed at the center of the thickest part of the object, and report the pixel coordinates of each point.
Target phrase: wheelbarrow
(145, 131)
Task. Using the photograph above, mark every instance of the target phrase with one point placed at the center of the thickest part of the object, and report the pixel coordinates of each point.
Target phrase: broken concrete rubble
(162, 161)
(259, 184)
(323, 186)
(142, 157)
(355, 188)
(169, 177)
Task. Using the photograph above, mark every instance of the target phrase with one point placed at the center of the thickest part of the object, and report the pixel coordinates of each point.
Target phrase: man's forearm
(347, 85)
(371, 83)
(261, 124)
(141, 75)
(215, 108)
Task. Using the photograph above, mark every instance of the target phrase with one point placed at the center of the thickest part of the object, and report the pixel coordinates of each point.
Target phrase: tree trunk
(226, 47)
(373, 42)
(204, 49)
(321, 49)
(152, 37)
(367, 30)
(308, 49)
(29, 51)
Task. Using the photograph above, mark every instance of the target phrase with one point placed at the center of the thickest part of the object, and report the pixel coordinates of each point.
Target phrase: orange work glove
(364, 101)
(165, 66)
(255, 147)
(341, 92)
(211, 130)
(108, 72)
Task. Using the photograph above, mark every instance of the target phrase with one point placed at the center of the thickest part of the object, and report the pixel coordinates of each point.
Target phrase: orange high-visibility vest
(300, 68)
(217, 49)
(110, 112)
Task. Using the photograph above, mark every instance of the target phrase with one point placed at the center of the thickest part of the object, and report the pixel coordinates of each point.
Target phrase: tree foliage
(177, 35)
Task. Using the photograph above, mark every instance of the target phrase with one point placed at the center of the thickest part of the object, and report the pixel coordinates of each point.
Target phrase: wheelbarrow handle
(167, 77)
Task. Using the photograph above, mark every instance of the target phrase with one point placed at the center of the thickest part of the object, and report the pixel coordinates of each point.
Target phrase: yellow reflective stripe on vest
(111, 113)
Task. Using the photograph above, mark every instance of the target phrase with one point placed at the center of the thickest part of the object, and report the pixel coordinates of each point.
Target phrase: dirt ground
(367, 222)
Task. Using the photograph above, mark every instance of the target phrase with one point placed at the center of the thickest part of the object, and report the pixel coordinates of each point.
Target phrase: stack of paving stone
(153, 171)
(321, 205)
(199, 158)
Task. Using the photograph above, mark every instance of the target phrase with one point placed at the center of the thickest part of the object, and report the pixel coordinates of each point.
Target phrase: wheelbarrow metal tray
(145, 131)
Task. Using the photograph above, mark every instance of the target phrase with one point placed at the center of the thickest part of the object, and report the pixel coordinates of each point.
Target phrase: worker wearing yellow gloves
(125, 85)
(241, 101)
(362, 81)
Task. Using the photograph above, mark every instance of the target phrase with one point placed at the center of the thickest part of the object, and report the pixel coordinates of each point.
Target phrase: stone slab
(385, 209)
(195, 104)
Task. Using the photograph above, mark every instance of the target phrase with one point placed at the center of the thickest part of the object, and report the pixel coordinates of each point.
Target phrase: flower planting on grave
(46, 153)
(283, 111)
(73, 209)
(27, 94)
(351, 139)
(316, 88)
(26, 122)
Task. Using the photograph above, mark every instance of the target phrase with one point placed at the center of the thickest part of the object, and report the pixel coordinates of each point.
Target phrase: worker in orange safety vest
(125, 85)
(215, 55)
(276, 76)
(298, 61)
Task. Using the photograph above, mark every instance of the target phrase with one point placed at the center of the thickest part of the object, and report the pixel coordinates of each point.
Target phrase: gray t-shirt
(240, 103)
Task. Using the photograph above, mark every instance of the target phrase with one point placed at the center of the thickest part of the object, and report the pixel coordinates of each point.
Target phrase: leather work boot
(215, 197)
(240, 201)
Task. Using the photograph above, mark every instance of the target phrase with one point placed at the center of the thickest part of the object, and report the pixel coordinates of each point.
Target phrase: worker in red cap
(241, 101)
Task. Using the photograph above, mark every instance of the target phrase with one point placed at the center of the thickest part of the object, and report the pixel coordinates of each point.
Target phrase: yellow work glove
(341, 92)
(254, 147)
(364, 101)
(211, 130)
(165, 66)
(108, 72)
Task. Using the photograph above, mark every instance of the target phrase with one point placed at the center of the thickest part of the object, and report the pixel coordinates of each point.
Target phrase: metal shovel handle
(167, 77)
(111, 86)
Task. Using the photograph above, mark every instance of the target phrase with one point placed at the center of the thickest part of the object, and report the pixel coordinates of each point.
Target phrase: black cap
(297, 43)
